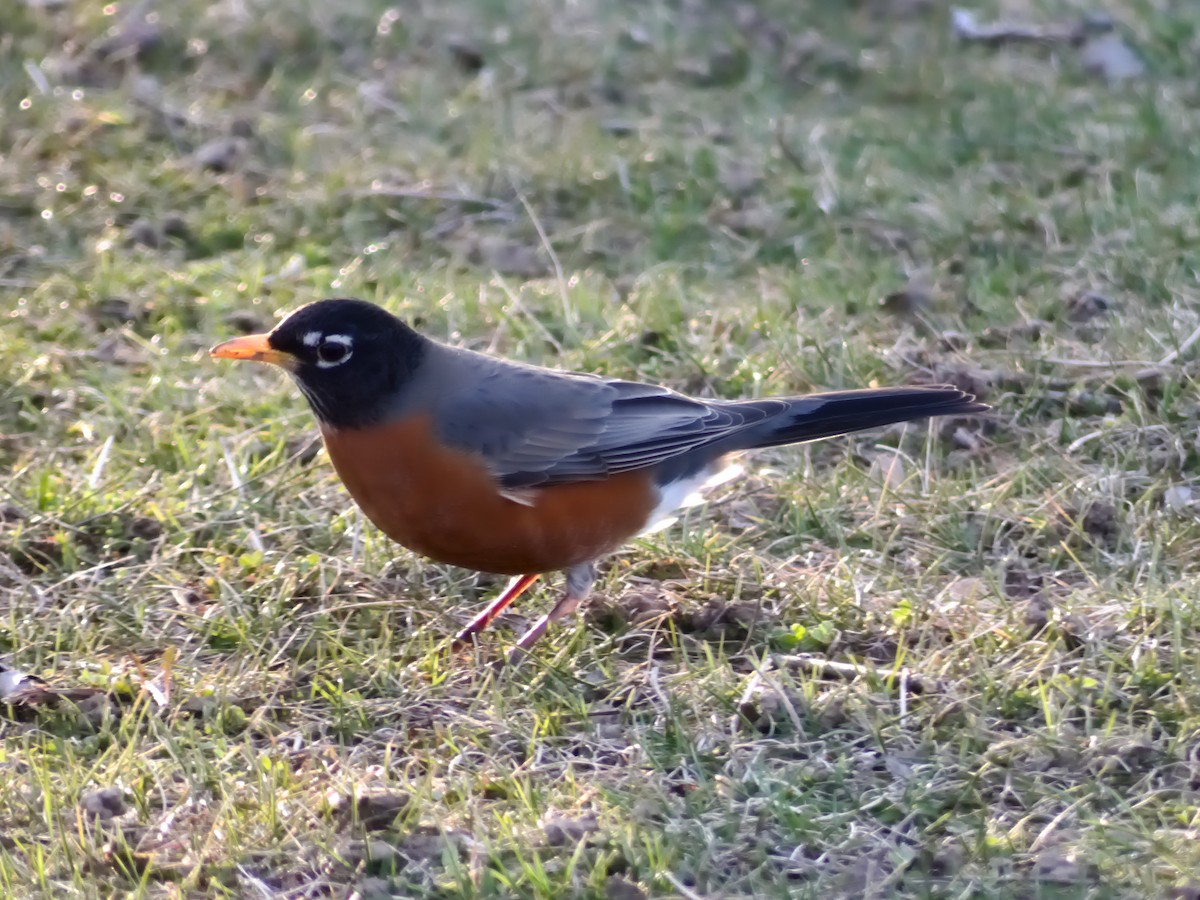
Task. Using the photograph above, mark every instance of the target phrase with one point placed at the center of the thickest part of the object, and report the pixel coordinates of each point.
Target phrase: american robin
(519, 470)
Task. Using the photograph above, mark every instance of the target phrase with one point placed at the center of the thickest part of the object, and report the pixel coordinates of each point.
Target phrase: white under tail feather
(524, 496)
(685, 493)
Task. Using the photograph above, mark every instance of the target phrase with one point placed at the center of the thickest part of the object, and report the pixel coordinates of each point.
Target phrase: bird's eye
(333, 350)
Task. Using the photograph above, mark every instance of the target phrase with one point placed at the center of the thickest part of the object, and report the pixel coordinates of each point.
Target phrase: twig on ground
(828, 668)
(1188, 343)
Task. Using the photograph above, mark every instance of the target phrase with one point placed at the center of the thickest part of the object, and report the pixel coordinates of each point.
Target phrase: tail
(819, 416)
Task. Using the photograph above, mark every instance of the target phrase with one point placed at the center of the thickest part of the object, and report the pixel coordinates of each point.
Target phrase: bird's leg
(579, 583)
(515, 588)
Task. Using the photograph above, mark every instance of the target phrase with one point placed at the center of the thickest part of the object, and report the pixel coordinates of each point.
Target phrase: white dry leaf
(966, 26)
(1108, 56)
(1179, 499)
(13, 680)
(159, 687)
(889, 469)
(294, 267)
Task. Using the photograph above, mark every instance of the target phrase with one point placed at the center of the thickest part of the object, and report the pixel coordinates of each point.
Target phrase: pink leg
(579, 583)
(515, 588)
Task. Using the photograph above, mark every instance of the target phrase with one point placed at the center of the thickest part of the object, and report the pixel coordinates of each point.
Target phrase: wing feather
(536, 427)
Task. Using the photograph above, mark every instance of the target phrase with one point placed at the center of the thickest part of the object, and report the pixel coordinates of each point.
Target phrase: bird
(514, 469)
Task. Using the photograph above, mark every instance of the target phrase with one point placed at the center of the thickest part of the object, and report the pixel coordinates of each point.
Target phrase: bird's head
(349, 357)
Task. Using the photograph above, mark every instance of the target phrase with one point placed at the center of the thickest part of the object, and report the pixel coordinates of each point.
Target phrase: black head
(349, 357)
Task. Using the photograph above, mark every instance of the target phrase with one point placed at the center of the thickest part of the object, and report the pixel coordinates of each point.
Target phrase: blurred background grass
(730, 198)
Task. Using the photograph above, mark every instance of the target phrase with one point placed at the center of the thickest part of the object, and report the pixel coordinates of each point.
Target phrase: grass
(712, 196)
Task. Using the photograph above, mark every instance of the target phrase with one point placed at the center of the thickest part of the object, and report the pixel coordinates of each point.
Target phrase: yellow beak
(253, 347)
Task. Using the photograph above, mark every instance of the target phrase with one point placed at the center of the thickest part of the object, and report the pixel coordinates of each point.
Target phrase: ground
(957, 659)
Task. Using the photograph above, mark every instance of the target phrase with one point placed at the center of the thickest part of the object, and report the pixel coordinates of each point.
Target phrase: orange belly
(444, 504)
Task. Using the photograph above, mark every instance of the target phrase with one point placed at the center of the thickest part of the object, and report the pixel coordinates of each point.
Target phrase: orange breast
(444, 504)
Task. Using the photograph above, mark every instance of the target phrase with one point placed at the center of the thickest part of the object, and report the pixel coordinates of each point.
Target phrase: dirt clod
(562, 830)
(372, 854)
(1061, 866)
(467, 53)
(1037, 615)
(721, 619)
(770, 710)
(144, 528)
(1101, 521)
(220, 155)
(1021, 584)
(145, 233)
(914, 298)
(174, 225)
(372, 810)
(429, 844)
(618, 888)
(114, 311)
(103, 804)
(1088, 305)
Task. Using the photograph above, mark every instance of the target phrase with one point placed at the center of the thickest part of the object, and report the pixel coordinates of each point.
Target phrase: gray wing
(537, 427)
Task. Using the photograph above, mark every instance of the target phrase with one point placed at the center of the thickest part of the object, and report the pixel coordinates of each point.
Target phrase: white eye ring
(339, 340)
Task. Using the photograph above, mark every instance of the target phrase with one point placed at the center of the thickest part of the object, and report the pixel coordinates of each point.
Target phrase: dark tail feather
(842, 412)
